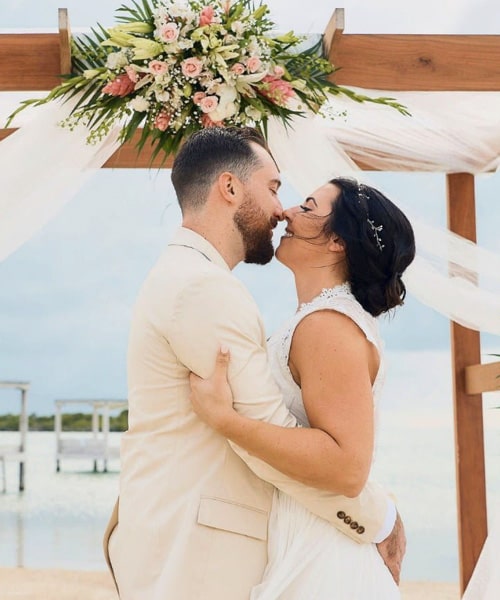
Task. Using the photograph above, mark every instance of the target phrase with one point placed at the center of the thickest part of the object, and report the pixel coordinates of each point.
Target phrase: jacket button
(341, 514)
(354, 525)
(347, 520)
(360, 529)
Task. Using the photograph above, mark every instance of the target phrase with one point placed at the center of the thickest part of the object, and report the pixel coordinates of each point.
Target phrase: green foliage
(9, 422)
(70, 422)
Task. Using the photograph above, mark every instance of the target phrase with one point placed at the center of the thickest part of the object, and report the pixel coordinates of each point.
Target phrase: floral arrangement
(172, 67)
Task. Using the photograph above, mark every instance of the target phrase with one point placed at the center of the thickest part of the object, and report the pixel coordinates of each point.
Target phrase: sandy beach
(56, 584)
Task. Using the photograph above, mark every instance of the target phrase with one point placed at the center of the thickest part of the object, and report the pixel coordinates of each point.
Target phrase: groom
(191, 522)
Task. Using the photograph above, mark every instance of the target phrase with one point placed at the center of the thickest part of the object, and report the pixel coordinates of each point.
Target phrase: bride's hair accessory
(375, 229)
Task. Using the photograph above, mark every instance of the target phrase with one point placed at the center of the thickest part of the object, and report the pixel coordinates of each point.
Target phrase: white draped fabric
(450, 132)
(485, 581)
(452, 275)
(42, 166)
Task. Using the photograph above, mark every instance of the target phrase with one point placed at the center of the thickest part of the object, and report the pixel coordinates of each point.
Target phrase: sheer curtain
(454, 276)
(42, 167)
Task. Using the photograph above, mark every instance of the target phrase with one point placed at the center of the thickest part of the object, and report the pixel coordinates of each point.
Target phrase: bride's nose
(289, 213)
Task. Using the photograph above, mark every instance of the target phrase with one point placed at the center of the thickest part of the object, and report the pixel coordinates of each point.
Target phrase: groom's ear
(229, 187)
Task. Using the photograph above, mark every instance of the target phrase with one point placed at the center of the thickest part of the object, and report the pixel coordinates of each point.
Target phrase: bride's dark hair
(379, 244)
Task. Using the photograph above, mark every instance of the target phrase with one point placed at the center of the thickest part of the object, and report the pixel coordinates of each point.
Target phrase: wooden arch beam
(31, 61)
(436, 63)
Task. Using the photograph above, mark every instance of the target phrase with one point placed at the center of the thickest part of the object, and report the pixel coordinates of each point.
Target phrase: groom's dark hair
(208, 153)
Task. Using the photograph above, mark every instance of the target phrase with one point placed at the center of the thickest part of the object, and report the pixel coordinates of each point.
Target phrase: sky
(66, 295)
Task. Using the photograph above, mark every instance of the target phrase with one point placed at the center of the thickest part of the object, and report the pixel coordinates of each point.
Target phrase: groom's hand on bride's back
(393, 549)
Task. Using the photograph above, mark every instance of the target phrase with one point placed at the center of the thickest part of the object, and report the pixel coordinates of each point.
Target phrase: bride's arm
(330, 358)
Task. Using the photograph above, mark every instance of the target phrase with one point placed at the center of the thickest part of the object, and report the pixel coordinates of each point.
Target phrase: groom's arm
(219, 310)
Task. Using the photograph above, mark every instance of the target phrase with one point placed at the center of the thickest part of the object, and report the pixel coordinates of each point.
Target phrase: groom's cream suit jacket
(193, 510)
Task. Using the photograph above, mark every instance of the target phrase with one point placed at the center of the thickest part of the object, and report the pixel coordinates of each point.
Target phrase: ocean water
(59, 520)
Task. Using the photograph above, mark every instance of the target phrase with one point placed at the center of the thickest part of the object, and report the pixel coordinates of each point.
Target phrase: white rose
(253, 46)
(228, 105)
(238, 28)
(139, 104)
(223, 111)
(181, 10)
(162, 96)
(185, 44)
(116, 60)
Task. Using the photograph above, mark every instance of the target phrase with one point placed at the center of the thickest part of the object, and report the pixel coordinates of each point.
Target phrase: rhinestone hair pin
(376, 229)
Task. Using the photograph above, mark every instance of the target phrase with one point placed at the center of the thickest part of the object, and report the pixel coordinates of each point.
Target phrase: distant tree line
(70, 422)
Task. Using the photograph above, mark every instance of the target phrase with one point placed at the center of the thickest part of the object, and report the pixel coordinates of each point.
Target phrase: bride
(347, 246)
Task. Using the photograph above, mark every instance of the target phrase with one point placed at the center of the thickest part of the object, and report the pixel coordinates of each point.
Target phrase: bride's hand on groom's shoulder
(393, 549)
(212, 398)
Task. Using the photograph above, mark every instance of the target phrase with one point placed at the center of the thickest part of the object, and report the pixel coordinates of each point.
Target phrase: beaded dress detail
(308, 558)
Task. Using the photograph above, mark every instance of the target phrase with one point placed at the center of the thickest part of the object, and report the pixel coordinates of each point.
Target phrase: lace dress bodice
(340, 299)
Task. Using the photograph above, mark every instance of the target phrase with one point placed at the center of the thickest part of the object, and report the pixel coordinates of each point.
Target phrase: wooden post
(105, 434)
(64, 41)
(4, 474)
(95, 429)
(58, 428)
(333, 30)
(23, 427)
(469, 436)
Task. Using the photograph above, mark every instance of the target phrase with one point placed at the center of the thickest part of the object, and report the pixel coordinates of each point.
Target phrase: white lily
(227, 106)
(145, 49)
(135, 27)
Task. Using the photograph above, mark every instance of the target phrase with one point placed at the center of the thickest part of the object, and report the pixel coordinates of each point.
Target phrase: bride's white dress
(308, 558)
(485, 581)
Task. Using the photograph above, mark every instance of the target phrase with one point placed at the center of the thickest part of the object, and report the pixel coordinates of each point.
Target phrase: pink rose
(279, 71)
(132, 74)
(253, 64)
(206, 121)
(191, 67)
(158, 67)
(198, 97)
(276, 89)
(169, 32)
(209, 103)
(121, 86)
(206, 16)
(162, 120)
(238, 69)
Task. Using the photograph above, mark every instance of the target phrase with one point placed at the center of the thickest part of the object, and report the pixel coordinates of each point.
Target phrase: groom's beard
(256, 231)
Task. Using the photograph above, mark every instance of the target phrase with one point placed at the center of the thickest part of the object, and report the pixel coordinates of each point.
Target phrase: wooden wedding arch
(34, 61)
